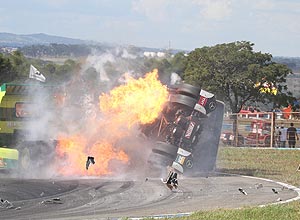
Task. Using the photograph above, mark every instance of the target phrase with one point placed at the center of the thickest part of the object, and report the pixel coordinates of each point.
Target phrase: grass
(275, 164)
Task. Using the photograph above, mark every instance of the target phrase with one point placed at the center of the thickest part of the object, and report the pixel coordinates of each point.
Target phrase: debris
(42, 194)
(18, 208)
(146, 179)
(162, 180)
(258, 185)
(279, 200)
(6, 204)
(274, 191)
(298, 169)
(243, 191)
(52, 201)
(89, 161)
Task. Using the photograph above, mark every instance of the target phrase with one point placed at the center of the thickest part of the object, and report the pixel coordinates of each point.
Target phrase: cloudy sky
(272, 25)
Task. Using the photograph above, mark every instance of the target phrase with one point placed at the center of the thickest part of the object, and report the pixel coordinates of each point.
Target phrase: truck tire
(189, 90)
(24, 159)
(158, 160)
(184, 100)
(35, 156)
(165, 147)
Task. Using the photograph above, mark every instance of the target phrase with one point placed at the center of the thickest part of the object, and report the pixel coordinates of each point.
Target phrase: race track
(107, 198)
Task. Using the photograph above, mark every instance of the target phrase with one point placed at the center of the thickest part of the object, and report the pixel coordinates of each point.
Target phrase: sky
(272, 25)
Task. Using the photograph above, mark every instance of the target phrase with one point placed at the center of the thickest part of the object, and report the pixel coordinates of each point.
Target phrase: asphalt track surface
(112, 199)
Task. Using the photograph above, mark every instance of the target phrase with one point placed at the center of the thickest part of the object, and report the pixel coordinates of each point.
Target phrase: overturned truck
(188, 131)
(186, 135)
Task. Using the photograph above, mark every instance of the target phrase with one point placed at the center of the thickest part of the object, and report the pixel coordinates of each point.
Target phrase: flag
(35, 74)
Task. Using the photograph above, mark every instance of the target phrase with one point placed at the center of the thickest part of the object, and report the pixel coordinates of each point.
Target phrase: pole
(272, 128)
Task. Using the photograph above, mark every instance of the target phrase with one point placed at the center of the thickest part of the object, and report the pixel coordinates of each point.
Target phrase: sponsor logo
(202, 101)
(189, 164)
(212, 105)
(190, 129)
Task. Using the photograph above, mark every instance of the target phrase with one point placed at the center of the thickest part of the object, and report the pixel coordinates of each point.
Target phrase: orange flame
(73, 153)
(139, 101)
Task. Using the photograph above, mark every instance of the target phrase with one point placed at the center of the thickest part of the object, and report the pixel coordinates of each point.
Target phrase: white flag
(35, 74)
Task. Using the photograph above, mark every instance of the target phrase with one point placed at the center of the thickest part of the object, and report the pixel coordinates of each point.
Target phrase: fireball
(139, 101)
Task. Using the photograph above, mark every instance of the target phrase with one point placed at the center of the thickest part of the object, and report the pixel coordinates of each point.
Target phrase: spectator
(291, 136)
(282, 137)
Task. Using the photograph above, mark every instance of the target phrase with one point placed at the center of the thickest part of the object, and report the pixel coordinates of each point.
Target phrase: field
(276, 164)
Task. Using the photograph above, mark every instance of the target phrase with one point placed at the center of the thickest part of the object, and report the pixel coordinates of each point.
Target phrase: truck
(186, 135)
(188, 131)
(19, 109)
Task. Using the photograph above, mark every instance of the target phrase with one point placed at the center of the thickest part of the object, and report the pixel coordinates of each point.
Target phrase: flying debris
(52, 201)
(243, 191)
(258, 185)
(274, 191)
(89, 161)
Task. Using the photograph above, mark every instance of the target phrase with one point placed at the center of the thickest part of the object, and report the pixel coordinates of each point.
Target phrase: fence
(260, 129)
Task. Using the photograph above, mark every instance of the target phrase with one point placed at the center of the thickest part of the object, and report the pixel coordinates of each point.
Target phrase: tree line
(234, 72)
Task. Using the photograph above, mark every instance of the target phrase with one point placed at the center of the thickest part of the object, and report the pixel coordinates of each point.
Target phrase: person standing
(282, 137)
(291, 136)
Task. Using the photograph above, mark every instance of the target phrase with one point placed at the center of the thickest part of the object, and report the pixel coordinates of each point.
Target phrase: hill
(20, 40)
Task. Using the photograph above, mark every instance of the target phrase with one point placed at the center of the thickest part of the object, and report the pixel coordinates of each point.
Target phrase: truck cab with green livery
(20, 107)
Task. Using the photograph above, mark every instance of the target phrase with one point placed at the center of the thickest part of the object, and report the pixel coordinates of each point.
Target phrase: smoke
(175, 78)
(72, 110)
(98, 63)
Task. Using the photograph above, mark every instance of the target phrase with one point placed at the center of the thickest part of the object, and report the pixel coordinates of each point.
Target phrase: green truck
(19, 107)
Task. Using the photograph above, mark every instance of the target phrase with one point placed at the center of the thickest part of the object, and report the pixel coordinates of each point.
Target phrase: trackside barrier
(259, 129)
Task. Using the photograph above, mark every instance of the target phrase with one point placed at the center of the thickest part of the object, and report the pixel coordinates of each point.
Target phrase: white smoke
(98, 63)
(80, 113)
(175, 78)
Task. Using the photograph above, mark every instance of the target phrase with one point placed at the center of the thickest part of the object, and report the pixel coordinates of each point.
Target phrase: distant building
(149, 54)
(7, 50)
(154, 54)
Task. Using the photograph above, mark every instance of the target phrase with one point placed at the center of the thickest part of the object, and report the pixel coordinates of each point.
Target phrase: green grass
(275, 164)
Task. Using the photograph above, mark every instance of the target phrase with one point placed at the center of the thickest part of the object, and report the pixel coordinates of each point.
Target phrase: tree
(7, 73)
(237, 74)
(178, 63)
(20, 64)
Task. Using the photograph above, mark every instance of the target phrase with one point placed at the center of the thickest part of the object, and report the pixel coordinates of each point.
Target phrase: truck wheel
(165, 147)
(24, 159)
(189, 89)
(159, 160)
(184, 100)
